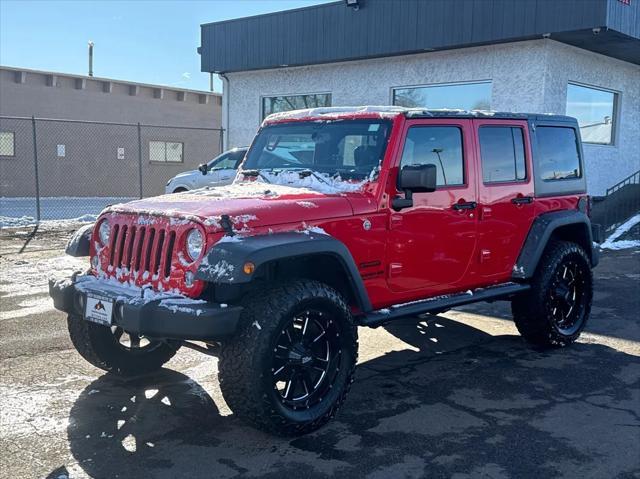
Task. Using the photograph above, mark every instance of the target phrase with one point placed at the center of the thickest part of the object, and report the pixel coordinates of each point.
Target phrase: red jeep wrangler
(338, 218)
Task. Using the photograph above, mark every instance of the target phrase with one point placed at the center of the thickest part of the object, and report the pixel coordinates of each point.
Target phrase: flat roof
(334, 32)
(104, 79)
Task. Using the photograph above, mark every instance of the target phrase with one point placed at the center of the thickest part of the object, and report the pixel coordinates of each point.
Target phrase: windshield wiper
(305, 173)
(255, 174)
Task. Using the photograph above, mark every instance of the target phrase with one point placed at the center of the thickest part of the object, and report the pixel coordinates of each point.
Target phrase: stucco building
(580, 58)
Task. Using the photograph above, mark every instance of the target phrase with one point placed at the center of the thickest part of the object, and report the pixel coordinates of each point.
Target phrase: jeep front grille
(143, 250)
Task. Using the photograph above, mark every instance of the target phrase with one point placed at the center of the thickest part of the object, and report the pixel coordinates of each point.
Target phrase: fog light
(189, 278)
(249, 268)
(95, 262)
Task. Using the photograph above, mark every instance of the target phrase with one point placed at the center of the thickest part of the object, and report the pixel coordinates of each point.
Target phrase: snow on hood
(248, 204)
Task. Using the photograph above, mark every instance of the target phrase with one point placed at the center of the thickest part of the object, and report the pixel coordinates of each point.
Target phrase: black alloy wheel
(306, 359)
(567, 296)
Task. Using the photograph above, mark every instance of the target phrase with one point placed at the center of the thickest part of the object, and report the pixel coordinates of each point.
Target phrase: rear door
(432, 243)
(505, 194)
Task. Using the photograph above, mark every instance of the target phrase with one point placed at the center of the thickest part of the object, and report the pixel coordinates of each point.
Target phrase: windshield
(337, 151)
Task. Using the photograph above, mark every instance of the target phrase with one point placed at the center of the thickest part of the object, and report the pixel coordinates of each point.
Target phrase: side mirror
(414, 178)
(204, 168)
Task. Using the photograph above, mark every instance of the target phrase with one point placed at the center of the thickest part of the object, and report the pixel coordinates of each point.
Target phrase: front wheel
(114, 350)
(555, 311)
(290, 368)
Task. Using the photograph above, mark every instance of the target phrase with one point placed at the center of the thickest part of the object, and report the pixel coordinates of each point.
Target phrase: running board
(440, 303)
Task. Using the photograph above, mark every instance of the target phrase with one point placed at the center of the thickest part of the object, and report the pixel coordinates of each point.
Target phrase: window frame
(393, 89)
(465, 178)
(165, 162)
(614, 114)
(578, 151)
(264, 97)
(13, 143)
(525, 150)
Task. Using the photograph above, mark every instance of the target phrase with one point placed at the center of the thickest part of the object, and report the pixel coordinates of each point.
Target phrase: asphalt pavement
(457, 395)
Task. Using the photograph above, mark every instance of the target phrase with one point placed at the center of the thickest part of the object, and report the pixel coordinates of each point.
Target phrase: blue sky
(145, 41)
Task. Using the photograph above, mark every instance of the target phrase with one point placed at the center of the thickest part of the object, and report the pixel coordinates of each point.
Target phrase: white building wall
(606, 165)
(526, 76)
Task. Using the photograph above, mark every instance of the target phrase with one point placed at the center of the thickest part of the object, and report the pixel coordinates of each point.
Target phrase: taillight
(585, 204)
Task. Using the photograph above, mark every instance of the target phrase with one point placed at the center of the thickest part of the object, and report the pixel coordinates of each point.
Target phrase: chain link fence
(57, 169)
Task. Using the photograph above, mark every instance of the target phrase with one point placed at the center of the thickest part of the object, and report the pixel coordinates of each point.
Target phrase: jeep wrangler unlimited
(338, 218)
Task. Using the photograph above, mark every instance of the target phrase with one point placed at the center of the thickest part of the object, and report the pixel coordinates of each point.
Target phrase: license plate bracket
(99, 309)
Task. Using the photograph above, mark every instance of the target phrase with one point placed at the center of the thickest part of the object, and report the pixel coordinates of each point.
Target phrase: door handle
(467, 205)
(522, 200)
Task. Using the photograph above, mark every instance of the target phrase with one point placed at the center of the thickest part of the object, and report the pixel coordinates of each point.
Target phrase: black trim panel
(80, 241)
(441, 303)
(224, 262)
(165, 318)
(538, 237)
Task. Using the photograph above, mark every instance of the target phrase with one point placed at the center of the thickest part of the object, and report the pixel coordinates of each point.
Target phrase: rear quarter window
(558, 153)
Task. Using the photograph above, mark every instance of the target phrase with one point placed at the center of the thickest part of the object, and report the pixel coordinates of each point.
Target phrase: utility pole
(90, 58)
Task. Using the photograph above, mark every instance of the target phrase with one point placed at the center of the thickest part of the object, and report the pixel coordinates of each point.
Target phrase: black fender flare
(224, 262)
(79, 243)
(539, 234)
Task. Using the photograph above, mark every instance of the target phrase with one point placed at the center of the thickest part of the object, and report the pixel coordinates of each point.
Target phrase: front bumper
(162, 316)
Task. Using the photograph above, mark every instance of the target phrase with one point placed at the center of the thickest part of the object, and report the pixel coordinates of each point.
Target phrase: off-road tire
(533, 311)
(98, 345)
(246, 377)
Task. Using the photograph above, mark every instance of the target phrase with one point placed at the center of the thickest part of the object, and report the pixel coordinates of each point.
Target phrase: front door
(506, 197)
(433, 242)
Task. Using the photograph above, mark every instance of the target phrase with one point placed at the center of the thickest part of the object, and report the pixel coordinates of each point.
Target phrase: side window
(225, 162)
(502, 154)
(558, 155)
(238, 156)
(440, 146)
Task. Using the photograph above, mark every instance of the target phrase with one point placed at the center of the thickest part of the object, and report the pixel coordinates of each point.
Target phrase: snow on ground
(28, 278)
(613, 243)
(16, 212)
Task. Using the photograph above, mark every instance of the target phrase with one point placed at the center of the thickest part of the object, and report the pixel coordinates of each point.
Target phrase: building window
(276, 104)
(559, 155)
(7, 143)
(166, 151)
(502, 153)
(595, 110)
(463, 96)
(436, 145)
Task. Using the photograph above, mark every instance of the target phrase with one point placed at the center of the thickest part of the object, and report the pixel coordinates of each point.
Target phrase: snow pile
(21, 211)
(27, 277)
(319, 182)
(328, 113)
(222, 270)
(612, 242)
(130, 293)
(306, 204)
(15, 222)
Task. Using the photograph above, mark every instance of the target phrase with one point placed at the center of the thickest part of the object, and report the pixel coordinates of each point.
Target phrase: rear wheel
(290, 368)
(117, 351)
(180, 190)
(555, 311)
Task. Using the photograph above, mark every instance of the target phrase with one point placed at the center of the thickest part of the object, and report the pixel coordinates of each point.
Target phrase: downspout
(226, 90)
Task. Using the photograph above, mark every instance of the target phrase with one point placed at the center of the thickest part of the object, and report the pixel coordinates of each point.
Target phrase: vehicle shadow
(467, 403)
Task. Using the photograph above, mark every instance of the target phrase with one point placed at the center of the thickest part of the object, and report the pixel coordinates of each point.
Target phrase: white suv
(219, 171)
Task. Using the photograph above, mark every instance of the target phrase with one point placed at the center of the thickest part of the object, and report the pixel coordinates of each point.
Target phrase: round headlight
(195, 243)
(103, 232)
